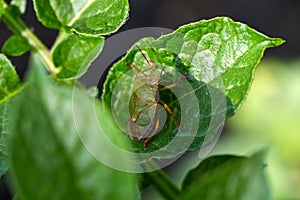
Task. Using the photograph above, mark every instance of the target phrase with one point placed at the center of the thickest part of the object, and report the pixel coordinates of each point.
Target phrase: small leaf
(16, 45)
(93, 17)
(9, 80)
(218, 56)
(74, 55)
(227, 178)
(19, 5)
(48, 160)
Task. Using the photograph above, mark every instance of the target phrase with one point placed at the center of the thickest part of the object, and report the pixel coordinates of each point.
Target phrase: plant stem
(163, 184)
(19, 27)
(60, 37)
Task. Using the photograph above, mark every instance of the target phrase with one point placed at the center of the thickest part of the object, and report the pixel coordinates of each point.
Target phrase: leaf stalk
(163, 184)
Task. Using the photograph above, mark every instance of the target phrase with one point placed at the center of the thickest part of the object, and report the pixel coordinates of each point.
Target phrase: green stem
(60, 37)
(163, 184)
(19, 27)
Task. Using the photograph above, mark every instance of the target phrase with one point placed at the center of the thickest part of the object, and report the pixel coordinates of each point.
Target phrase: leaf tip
(277, 42)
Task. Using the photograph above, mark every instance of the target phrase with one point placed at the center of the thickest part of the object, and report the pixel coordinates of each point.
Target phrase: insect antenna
(140, 50)
(159, 61)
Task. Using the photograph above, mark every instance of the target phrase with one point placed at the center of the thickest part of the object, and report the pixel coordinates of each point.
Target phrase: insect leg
(136, 73)
(173, 85)
(171, 113)
(152, 134)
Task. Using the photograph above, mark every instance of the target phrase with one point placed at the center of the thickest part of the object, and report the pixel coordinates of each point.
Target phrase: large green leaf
(3, 163)
(9, 87)
(74, 54)
(227, 178)
(16, 45)
(5, 129)
(86, 17)
(9, 80)
(48, 160)
(7, 114)
(218, 56)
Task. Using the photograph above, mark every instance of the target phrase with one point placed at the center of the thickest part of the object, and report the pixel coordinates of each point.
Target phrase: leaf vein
(78, 15)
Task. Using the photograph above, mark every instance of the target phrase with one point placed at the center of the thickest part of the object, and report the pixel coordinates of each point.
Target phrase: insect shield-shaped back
(145, 117)
(143, 103)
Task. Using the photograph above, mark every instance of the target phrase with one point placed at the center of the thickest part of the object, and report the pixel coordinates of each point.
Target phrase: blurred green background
(270, 118)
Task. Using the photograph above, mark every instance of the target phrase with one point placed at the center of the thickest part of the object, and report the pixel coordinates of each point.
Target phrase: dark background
(275, 18)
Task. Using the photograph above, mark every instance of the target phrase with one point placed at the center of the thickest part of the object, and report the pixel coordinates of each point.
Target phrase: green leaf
(218, 56)
(74, 54)
(95, 17)
(48, 160)
(1, 8)
(3, 163)
(16, 45)
(9, 80)
(227, 178)
(10, 85)
(19, 5)
(8, 111)
(206, 166)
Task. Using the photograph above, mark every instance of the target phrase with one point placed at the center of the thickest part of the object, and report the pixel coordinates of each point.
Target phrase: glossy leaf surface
(47, 158)
(16, 45)
(74, 54)
(92, 17)
(9, 80)
(226, 178)
(217, 56)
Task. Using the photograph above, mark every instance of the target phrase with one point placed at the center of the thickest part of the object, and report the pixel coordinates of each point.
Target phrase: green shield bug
(144, 101)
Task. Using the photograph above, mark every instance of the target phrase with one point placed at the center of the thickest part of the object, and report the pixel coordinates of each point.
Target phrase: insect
(143, 104)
